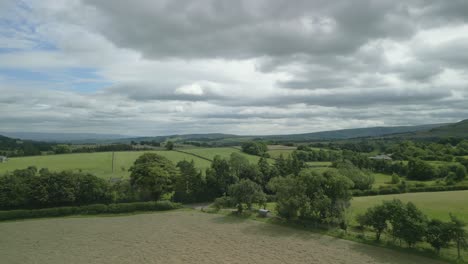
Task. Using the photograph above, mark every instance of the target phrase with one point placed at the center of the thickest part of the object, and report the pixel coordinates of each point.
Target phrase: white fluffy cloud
(247, 67)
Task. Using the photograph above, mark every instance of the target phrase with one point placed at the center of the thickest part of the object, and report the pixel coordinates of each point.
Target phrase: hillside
(232, 140)
(354, 133)
(458, 130)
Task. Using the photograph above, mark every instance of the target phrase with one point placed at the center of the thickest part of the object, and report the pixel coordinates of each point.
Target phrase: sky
(159, 67)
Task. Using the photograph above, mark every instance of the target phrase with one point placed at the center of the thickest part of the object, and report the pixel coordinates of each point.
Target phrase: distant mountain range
(459, 129)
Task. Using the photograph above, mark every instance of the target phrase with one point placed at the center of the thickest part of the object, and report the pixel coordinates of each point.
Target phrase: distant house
(3, 159)
(381, 157)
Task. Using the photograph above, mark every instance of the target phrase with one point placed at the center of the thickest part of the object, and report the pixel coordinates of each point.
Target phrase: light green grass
(381, 179)
(319, 163)
(275, 153)
(436, 205)
(99, 163)
(226, 152)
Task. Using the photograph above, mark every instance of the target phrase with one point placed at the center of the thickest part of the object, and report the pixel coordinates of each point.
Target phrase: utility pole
(113, 162)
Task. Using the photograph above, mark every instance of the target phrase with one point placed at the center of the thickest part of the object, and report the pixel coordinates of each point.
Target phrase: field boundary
(193, 154)
(93, 209)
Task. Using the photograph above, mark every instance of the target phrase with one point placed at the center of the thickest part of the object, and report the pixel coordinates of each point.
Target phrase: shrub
(89, 210)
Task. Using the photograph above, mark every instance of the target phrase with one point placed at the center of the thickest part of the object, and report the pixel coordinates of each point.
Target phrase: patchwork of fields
(100, 163)
(179, 237)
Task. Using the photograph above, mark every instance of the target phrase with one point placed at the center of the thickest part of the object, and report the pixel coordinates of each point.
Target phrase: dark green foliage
(458, 234)
(291, 165)
(89, 210)
(420, 170)
(395, 178)
(190, 185)
(362, 180)
(153, 176)
(255, 148)
(247, 193)
(62, 149)
(438, 234)
(305, 154)
(24, 188)
(407, 223)
(290, 196)
(169, 145)
(311, 196)
(375, 217)
(219, 177)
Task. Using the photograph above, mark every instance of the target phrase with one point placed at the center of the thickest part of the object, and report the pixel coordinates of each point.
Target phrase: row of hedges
(89, 210)
(396, 190)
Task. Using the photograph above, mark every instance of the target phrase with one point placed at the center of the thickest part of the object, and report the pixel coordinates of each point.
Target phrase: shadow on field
(391, 256)
(228, 219)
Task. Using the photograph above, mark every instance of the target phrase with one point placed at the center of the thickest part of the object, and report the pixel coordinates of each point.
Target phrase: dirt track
(178, 237)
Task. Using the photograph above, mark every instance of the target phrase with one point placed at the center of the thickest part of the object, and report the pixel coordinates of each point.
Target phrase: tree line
(405, 222)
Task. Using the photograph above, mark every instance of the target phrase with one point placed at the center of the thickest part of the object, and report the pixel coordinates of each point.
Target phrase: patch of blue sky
(82, 80)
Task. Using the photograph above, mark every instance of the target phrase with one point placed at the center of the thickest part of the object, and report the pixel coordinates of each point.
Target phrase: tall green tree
(458, 234)
(438, 234)
(246, 192)
(153, 175)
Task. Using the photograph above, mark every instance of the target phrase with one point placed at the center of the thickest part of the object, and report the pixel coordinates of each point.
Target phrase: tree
(362, 180)
(290, 195)
(153, 175)
(420, 170)
(312, 196)
(376, 217)
(238, 163)
(219, 177)
(395, 178)
(458, 234)
(189, 186)
(169, 145)
(438, 234)
(62, 149)
(255, 148)
(408, 222)
(246, 192)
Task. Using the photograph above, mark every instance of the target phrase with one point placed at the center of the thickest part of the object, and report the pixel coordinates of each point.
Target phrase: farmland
(99, 163)
(436, 205)
(179, 237)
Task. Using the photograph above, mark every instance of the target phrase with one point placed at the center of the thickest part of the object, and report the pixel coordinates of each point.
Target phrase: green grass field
(210, 153)
(436, 205)
(99, 163)
(275, 153)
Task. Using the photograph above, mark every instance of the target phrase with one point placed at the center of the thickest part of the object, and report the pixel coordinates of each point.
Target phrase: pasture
(436, 205)
(180, 237)
(98, 163)
(224, 152)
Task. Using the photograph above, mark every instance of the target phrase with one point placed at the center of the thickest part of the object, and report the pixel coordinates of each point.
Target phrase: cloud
(266, 66)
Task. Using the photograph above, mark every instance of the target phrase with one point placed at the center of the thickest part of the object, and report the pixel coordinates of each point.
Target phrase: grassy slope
(225, 152)
(435, 205)
(99, 163)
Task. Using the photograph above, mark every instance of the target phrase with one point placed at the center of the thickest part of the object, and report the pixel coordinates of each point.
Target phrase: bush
(89, 210)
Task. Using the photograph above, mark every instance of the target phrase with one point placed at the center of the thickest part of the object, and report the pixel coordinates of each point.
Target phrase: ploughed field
(179, 237)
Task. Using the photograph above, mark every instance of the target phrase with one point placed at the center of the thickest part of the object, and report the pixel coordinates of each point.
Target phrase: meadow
(183, 236)
(437, 205)
(98, 163)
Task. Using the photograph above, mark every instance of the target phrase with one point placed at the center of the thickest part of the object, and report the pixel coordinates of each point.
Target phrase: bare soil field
(178, 237)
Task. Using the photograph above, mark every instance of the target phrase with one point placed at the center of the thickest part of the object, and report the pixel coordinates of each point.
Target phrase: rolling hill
(457, 130)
